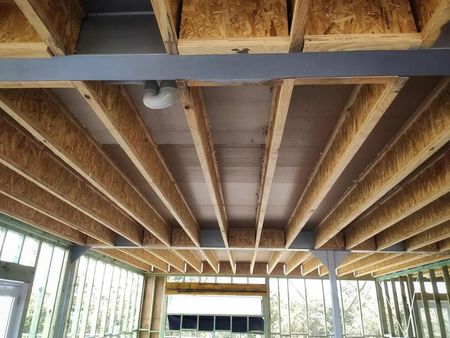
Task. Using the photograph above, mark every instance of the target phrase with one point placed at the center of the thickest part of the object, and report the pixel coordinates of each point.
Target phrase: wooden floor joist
(394, 260)
(24, 213)
(281, 98)
(146, 257)
(274, 260)
(197, 120)
(23, 154)
(359, 117)
(295, 260)
(418, 141)
(115, 110)
(191, 258)
(412, 263)
(62, 133)
(124, 257)
(426, 218)
(46, 213)
(311, 264)
(367, 260)
(299, 20)
(58, 30)
(431, 236)
(444, 245)
(26, 192)
(431, 17)
(166, 13)
(431, 184)
(353, 257)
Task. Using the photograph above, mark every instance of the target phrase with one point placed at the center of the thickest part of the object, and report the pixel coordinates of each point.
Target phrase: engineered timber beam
(57, 22)
(429, 131)
(429, 185)
(431, 16)
(24, 213)
(281, 98)
(197, 120)
(26, 192)
(295, 260)
(412, 263)
(63, 134)
(215, 289)
(352, 258)
(426, 218)
(360, 116)
(428, 237)
(274, 260)
(115, 109)
(23, 154)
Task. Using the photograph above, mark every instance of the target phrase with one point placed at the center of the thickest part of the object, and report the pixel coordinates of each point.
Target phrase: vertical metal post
(447, 281)
(335, 308)
(425, 304)
(389, 308)
(408, 310)
(68, 283)
(381, 308)
(416, 313)
(437, 303)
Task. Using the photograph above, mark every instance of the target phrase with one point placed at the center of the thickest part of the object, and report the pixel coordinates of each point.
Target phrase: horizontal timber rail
(241, 67)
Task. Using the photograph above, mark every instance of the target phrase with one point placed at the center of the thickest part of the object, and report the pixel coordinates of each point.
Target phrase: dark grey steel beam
(134, 67)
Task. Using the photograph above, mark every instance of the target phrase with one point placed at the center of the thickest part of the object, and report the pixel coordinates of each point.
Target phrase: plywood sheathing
(233, 26)
(18, 38)
(360, 25)
(428, 132)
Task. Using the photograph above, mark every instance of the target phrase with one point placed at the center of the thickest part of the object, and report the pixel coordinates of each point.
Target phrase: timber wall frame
(150, 241)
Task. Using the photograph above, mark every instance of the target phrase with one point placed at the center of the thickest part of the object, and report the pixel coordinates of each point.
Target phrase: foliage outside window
(302, 308)
(106, 300)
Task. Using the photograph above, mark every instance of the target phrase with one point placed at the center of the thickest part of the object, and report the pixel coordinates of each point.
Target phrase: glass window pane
(29, 251)
(12, 246)
(284, 306)
(352, 316)
(274, 306)
(208, 279)
(192, 279)
(256, 280)
(369, 306)
(316, 315)
(38, 291)
(240, 280)
(55, 277)
(297, 304)
(2, 237)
